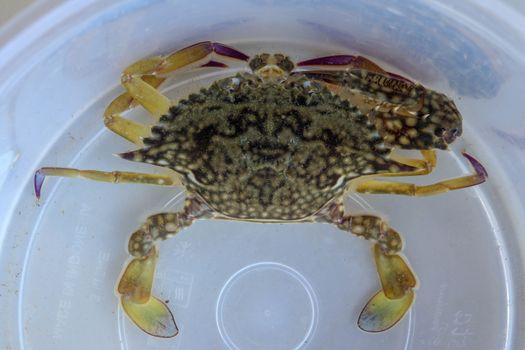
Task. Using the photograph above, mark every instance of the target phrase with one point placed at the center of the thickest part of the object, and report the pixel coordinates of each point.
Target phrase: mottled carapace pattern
(406, 114)
(266, 149)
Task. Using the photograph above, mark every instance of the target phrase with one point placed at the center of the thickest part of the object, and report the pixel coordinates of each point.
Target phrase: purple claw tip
(126, 155)
(215, 64)
(480, 169)
(38, 181)
(224, 50)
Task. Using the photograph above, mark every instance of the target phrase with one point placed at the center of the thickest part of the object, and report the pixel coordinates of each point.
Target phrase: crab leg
(390, 304)
(192, 56)
(423, 166)
(371, 90)
(104, 176)
(126, 128)
(420, 167)
(407, 189)
(135, 285)
(410, 101)
(347, 62)
(142, 78)
(365, 83)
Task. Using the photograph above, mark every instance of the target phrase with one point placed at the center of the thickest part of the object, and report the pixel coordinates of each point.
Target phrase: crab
(278, 142)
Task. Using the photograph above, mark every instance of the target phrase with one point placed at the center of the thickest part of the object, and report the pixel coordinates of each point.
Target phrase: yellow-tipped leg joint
(382, 313)
(395, 275)
(137, 279)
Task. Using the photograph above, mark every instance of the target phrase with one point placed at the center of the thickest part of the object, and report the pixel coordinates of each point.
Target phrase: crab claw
(382, 313)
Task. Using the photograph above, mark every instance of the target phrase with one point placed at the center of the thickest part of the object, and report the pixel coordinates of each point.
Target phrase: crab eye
(439, 132)
(256, 63)
(284, 62)
(450, 135)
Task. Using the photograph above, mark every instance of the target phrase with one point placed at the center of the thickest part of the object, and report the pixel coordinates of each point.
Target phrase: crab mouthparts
(271, 71)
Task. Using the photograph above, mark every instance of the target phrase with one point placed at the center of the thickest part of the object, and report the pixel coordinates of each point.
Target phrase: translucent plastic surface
(250, 286)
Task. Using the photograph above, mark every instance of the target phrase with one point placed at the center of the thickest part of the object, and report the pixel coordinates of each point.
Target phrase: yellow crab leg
(137, 278)
(408, 189)
(139, 90)
(135, 285)
(394, 273)
(123, 127)
(398, 281)
(189, 57)
(142, 78)
(104, 176)
(149, 97)
(423, 166)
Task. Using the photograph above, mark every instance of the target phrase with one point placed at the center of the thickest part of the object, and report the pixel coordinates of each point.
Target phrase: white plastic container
(248, 286)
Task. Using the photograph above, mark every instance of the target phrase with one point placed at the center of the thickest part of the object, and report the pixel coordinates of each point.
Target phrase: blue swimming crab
(278, 142)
